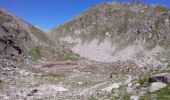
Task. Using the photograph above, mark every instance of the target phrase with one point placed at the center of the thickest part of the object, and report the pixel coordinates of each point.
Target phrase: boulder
(157, 86)
(134, 97)
(111, 87)
(32, 92)
(163, 77)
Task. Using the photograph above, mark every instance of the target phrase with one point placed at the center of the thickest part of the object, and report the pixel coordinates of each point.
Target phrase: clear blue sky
(47, 14)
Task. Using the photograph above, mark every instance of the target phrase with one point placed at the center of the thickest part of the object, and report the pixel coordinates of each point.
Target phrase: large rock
(157, 86)
(163, 77)
(111, 87)
(133, 97)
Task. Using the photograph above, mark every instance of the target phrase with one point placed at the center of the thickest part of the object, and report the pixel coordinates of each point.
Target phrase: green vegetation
(155, 71)
(35, 53)
(126, 97)
(55, 74)
(168, 65)
(165, 71)
(159, 22)
(146, 96)
(72, 57)
(92, 98)
(1, 85)
(163, 94)
(143, 81)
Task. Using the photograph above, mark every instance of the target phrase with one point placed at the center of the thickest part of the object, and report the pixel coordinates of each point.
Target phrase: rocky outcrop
(163, 77)
(13, 37)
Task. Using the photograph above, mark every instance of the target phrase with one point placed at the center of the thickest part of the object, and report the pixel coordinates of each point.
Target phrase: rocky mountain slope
(114, 31)
(19, 39)
(21, 47)
(112, 51)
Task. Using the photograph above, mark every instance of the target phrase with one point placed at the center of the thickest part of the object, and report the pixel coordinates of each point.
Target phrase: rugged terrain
(118, 31)
(111, 51)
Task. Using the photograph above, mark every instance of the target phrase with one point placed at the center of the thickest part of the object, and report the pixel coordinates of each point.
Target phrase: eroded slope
(109, 32)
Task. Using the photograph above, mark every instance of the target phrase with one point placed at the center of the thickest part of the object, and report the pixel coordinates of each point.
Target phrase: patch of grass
(35, 53)
(152, 71)
(146, 96)
(165, 71)
(163, 94)
(143, 81)
(113, 98)
(92, 98)
(150, 43)
(72, 57)
(168, 66)
(126, 97)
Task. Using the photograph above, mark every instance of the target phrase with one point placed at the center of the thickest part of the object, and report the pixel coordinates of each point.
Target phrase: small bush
(35, 53)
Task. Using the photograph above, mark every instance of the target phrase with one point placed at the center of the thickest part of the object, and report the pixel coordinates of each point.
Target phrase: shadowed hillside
(19, 39)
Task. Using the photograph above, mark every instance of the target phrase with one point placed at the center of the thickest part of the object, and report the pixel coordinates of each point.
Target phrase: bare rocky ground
(74, 80)
(61, 80)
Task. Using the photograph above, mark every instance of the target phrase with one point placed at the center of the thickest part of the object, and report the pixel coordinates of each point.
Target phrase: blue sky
(47, 14)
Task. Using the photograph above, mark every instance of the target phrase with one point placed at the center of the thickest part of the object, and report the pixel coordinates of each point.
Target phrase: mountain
(114, 31)
(111, 51)
(21, 40)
